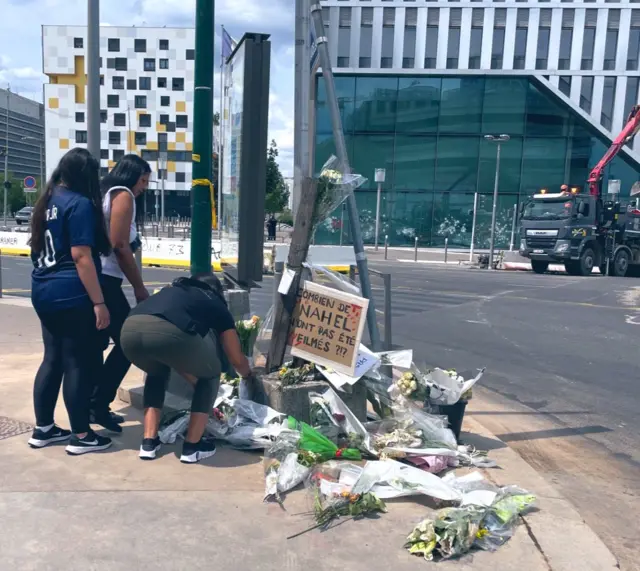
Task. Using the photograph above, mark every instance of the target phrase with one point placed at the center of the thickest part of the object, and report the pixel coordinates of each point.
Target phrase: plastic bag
(435, 431)
(334, 279)
(446, 387)
(282, 470)
(319, 446)
(252, 389)
(333, 189)
(175, 425)
(249, 411)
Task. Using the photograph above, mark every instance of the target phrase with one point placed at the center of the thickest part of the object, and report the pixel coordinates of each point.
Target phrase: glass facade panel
(376, 103)
(427, 132)
(461, 104)
(418, 104)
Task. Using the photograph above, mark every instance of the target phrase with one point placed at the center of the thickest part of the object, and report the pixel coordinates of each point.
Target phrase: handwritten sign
(326, 327)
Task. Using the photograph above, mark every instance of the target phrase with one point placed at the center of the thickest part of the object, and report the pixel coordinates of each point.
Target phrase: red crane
(628, 132)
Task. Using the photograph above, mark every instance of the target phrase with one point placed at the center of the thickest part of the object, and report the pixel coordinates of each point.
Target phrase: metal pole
(387, 311)
(0, 273)
(378, 214)
(157, 205)
(341, 151)
(164, 170)
(93, 77)
(6, 154)
(446, 249)
(301, 13)
(494, 209)
(473, 225)
(415, 251)
(513, 226)
(342, 225)
(202, 137)
(386, 246)
(220, 134)
(42, 181)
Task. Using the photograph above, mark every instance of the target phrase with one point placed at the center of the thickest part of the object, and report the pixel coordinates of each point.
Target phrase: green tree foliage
(16, 197)
(277, 195)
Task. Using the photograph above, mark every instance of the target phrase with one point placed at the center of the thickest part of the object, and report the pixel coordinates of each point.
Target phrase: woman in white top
(128, 179)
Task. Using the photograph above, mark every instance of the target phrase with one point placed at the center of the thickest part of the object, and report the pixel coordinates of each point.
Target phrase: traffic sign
(29, 182)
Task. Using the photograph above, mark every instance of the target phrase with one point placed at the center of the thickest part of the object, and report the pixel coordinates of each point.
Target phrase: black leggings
(73, 350)
(116, 365)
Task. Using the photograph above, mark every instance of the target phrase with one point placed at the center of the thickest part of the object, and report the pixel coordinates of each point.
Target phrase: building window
(165, 101)
(78, 43)
(119, 119)
(114, 137)
(164, 63)
(140, 102)
(81, 136)
(113, 101)
(544, 33)
(409, 40)
(102, 80)
(164, 119)
(566, 39)
(141, 138)
(145, 83)
(79, 117)
(191, 55)
(388, 32)
(149, 64)
(132, 84)
(177, 84)
(144, 120)
(148, 155)
(586, 93)
(104, 153)
(182, 121)
(631, 97)
(608, 95)
(121, 64)
(117, 82)
(111, 63)
(366, 37)
(171, 127)
(475, 40)
(611, 41)
(118, 154)
(564, 84)
(431, 48)
(589, 39)
(113, 45)
(162, 82)
(181, 177)
(164, 44)
(103, 116)
(140, 46)
(344, 37)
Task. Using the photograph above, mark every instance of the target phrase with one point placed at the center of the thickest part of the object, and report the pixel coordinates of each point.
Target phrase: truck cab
(561, 228)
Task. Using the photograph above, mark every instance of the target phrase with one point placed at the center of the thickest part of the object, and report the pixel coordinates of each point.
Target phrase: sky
(21, 44)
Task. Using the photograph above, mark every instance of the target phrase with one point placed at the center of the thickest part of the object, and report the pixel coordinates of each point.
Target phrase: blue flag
(228, 45)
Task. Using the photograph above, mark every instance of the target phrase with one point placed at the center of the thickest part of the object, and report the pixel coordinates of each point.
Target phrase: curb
(557, 530)
(523, 266)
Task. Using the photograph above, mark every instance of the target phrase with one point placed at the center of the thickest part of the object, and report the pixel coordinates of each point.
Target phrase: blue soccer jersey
(70, 221)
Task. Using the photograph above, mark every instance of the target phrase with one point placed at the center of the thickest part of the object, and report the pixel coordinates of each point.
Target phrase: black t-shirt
(190, 307)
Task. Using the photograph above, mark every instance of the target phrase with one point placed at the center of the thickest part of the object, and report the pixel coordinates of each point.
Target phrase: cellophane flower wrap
(334, 186)
(248, 333)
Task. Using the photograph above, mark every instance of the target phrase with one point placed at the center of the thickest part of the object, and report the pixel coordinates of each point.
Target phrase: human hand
(141, 293)
(102, 316)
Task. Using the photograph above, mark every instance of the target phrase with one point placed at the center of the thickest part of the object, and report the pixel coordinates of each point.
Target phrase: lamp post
(499, 139)
(380, 176)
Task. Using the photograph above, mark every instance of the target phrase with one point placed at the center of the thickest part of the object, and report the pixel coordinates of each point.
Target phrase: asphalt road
(562, 374)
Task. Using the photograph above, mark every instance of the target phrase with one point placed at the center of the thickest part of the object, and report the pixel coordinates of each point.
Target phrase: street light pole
(499, 140)
(473, 225)
(6, 155)
(380, 177)
(93, 78)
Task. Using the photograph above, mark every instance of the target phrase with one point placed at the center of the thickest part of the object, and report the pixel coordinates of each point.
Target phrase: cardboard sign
(326, 327)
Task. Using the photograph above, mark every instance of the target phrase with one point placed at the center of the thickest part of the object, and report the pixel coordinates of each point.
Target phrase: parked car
(23, 216)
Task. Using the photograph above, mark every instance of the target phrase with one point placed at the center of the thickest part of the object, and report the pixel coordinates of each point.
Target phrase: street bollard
(154, 230)
(446, 249)
(386, 246)
(170, 231)
(415, 251)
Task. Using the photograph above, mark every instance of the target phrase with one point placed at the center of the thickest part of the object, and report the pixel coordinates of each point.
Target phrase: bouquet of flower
(411, 386)
(248, 333)
(327, 509)
(289, 375)
(447, 387)
(311, 441)
(333, 189)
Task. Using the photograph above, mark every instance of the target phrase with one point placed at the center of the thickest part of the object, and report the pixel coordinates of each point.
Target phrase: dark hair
(78, 171)
(211, 281)
(126, 172)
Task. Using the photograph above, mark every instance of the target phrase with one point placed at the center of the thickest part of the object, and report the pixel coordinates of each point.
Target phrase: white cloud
(21, 44)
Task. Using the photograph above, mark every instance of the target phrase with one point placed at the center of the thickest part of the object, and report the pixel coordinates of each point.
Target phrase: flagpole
(221, 133)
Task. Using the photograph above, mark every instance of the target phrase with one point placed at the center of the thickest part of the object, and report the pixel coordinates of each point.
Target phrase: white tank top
(110, 266)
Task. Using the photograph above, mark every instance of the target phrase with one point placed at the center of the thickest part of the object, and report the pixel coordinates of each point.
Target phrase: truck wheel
(586, 262)
(618, 268)
(539, 267)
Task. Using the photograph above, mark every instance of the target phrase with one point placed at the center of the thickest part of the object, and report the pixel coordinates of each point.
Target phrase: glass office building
(428, 132)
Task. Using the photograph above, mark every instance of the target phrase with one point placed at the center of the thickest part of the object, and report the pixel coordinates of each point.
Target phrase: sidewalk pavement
(103, 511)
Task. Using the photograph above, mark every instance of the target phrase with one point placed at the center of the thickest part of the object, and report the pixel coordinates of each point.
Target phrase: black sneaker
(40, 438)
(192, 453)
(116, 417)
(92, 442)
(149, 448)
(106, 420)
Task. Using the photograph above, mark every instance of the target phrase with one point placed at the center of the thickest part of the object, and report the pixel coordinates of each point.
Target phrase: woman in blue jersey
(128, 179)
(68, 235)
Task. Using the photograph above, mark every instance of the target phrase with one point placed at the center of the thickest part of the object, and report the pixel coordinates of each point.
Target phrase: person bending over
(176, 329)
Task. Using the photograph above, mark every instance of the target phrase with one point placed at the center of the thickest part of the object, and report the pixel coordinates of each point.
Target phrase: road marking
(478, 322)
(632, 319)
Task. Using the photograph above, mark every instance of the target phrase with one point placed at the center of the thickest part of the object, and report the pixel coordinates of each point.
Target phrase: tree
(277, 194)
(216, 119)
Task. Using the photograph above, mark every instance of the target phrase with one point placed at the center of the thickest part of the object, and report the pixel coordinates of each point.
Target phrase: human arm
(119, 227)
(231, 345)
(86, 268)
